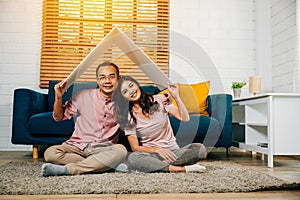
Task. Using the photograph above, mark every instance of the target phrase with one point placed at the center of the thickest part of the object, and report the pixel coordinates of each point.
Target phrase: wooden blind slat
(71, 29)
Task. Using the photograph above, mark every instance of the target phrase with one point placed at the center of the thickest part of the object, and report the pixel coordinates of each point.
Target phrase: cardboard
(122, 41)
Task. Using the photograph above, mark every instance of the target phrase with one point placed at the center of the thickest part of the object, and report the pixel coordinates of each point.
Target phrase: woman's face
(130, 91)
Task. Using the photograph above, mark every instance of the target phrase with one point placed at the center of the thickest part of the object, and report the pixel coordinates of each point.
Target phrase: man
(93, 145)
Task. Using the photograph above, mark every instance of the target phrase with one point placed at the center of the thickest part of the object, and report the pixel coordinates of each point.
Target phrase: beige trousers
(91, 159)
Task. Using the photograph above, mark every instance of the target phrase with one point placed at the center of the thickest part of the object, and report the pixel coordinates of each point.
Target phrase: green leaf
(238, 84)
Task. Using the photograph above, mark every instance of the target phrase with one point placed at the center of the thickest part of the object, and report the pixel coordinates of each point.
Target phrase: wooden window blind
(71, 29)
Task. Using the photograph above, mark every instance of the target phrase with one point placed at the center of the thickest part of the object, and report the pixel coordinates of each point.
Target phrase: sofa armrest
(25, 104)
(220, 108)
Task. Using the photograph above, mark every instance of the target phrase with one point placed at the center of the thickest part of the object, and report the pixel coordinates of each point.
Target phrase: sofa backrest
(77, 86)
(150, 89)
(71, 91)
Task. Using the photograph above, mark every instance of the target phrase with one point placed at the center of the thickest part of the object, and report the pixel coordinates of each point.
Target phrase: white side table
(267, 123)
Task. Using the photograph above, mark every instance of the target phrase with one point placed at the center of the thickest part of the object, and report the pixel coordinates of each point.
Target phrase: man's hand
(58, 110)
(167, 155)
(59, 91)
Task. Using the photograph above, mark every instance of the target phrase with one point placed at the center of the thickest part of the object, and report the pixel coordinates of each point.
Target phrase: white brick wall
(20, 25)
(223, 29)
(284, 44)
(297, 68)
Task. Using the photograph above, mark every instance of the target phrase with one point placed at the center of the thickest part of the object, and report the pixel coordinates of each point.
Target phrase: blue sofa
(33, 124)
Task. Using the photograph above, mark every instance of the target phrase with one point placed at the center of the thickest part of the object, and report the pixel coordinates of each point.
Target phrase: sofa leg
(227, 151)
(35, 151)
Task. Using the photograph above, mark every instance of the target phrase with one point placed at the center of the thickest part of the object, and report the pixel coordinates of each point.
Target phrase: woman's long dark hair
(122, 106)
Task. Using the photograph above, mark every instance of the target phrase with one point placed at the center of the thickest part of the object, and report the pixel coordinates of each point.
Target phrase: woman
(144, 119)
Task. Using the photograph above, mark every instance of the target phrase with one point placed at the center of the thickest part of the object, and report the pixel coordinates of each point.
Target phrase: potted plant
(237, 86)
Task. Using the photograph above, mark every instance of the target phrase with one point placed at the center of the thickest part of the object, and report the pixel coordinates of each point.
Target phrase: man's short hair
(105, 64)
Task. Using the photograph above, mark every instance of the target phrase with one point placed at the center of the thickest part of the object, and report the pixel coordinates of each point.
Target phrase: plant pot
(237, 92)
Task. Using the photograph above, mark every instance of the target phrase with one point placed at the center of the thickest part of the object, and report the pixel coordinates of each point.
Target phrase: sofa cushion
(199, 129)
(194, 97)
(43, 124)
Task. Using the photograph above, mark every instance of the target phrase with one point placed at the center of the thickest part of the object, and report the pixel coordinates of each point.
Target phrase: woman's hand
(167, 155)
(181, 111)
(168, 99)
(173, 90)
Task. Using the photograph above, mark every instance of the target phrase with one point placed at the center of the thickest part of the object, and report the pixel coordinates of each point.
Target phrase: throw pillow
(194, 97)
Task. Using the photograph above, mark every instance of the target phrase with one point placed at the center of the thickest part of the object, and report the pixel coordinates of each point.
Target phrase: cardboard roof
(121, 40)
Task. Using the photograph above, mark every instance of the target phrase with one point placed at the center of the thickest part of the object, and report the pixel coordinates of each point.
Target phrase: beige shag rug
(24, 178)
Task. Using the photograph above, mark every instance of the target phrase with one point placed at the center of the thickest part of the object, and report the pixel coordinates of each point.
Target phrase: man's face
(107, 80)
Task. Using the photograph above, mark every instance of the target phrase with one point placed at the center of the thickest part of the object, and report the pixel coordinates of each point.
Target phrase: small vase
(237, 92)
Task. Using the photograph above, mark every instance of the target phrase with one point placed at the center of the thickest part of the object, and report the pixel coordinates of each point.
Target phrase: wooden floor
(285, 167)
